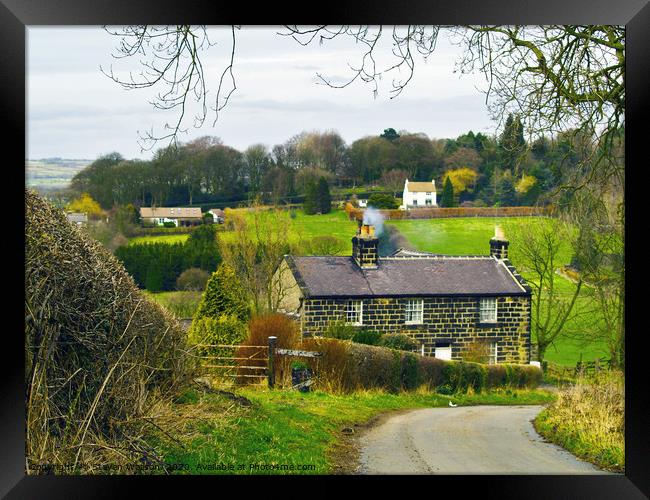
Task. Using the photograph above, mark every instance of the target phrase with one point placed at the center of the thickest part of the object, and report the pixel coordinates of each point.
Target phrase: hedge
(441, 213)
(346, 366)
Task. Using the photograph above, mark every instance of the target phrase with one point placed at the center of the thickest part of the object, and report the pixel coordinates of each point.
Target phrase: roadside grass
(288, 428)
(588, 420)
(470, 235)
(180, 303)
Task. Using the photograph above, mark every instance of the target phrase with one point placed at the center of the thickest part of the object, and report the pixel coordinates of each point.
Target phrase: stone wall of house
(445, 319)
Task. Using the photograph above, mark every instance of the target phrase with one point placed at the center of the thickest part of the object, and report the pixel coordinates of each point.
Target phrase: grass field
(289, 428)
(301, 228)
(471, 235)
(455, 236)
(159, 238)
(182, 304)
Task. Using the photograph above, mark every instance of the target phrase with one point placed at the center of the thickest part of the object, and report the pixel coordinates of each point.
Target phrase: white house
(419, 194)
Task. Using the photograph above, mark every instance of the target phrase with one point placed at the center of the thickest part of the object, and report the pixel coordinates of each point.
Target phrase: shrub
(224, 294)
(397, 341)
(169, 224)
(192, 279)
(339, 330)
(367, 337)
(386, 201)
(225, 329)
(260, 328)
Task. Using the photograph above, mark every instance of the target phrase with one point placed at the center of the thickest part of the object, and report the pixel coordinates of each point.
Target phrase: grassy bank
(287, 428)
(588, 420)
(180, 303)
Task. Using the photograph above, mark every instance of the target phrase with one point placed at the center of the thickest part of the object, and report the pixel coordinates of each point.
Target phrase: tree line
(483, 170)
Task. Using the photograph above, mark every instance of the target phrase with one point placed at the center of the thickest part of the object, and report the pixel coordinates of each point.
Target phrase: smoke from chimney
(373, 217)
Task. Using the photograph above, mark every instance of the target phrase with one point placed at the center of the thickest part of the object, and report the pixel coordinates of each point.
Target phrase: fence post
(271, 368)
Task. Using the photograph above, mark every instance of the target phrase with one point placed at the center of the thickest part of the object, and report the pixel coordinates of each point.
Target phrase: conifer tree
(448, 194)
(311, 205)
(323, 196)
(224, 294)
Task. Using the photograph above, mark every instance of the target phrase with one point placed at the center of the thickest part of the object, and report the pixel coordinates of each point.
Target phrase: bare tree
(536, 252)
(173, 65)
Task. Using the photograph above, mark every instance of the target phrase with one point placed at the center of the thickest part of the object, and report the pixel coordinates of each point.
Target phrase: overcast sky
(74, 111)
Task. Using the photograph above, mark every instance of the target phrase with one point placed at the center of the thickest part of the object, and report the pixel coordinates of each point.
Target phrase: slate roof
(320, 276)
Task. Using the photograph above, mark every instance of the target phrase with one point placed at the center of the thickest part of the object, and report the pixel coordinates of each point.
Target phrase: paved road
(465, 440)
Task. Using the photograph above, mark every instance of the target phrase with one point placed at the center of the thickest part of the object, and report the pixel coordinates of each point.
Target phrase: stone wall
(445, 319)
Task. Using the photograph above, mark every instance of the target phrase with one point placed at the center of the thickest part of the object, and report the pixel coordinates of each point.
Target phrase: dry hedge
(97, 351)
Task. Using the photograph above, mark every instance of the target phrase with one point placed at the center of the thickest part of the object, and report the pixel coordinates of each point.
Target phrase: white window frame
(428, 194)
(493, 352)
(428, 201)
(415, 202)
(414, 309)
(488, 310)
(354, 308)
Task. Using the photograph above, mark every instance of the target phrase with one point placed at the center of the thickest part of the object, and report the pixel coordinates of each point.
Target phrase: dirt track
(465, 440)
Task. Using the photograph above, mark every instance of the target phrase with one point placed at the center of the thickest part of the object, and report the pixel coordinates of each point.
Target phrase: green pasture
(471, 235)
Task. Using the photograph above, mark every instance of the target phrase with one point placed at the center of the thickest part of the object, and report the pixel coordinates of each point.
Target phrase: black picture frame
(16, 15)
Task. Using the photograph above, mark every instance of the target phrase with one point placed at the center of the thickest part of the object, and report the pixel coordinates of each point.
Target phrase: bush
(169, 224)
(224, 294)
(192, 279)
(397, 341)
(339, 330)
(260, 328)
(385, 201)
(367, 337)
(225, 329)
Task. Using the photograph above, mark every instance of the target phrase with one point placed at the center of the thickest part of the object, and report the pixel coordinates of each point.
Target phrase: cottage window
(355, 312)
(415, 202)
(414, 310)
(428, 201)
(488, 310)
(428, 194)
(492, 353)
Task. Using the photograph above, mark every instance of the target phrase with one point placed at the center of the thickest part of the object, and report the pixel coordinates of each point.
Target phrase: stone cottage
(448, 304)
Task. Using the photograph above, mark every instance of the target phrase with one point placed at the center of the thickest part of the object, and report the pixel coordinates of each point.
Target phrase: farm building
(218, 215)
(449, 305)
(80, 219)
(419, 194)
(180, 216)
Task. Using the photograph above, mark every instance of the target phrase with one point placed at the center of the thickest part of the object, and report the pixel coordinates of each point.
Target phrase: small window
(355, 312)
(428, 201)
(414, 310)
(492, 352)
(488, 310)
(415, 202)
(428, 194)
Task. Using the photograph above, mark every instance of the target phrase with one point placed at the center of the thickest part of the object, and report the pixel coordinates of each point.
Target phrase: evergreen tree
(224, 294)
(447, 194)
(154, 279)
(507, 193)
(512, 144)
(323, 196)
(311, 205)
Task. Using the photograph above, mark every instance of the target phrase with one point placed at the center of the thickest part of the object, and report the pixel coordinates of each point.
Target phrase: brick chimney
(499, 244)
(364, 247)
